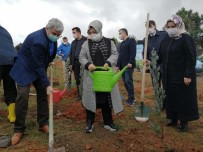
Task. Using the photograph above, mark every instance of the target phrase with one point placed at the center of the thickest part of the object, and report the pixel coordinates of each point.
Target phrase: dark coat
(154, 42)
(8, 54)
(178, 57)
(34, 58)
(73, 49)
(127, 53)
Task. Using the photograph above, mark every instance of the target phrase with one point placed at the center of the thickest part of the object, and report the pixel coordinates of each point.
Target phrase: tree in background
(193, 24)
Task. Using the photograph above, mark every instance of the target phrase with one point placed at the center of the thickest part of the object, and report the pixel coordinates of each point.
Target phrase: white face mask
(96, 37)
(152, 31)
(120, 37)
(75, 36)
(65, 43)
(172, 32)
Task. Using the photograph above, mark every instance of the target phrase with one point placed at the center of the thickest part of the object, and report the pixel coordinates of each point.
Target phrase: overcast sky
(21, 17)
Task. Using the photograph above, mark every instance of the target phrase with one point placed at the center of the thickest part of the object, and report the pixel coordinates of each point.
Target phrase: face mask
(53, 38)
(152, 31)
(75, 36)
(120, 37)
(95, 37)
(172, 32)
(65, 43)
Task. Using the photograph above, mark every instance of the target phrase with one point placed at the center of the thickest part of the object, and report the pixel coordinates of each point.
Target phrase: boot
(11, 113)
(16, 138)
(44, 129)
(172, 123)
(89, 121)
(183, 126)
(79, 96)
(89, 126)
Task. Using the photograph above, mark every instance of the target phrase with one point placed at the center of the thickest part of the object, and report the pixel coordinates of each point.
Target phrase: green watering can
(105, 79)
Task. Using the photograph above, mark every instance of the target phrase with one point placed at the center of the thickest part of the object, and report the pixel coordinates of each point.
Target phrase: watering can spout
(117, 76)
(62, 93)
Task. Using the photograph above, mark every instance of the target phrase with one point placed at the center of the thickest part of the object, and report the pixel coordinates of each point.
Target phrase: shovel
(51, 124)
(51, 120)
(142, 111)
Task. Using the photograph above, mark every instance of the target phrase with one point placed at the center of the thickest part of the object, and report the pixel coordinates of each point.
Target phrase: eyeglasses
(74, 32)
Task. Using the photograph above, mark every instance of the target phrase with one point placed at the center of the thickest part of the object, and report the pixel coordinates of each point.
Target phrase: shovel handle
(51, 124)
(145, 56)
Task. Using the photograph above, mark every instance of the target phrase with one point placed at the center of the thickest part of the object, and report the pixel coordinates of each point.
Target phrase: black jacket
(178, 59)
(127, 53)
(154, 42)
(73, 49)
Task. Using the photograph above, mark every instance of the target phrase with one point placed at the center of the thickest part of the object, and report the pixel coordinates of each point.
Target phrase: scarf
(179, 25)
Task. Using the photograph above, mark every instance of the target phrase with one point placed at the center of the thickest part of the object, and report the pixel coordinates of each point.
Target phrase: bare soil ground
(132, 136)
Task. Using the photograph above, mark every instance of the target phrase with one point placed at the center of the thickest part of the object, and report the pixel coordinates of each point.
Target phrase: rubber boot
(11, 113)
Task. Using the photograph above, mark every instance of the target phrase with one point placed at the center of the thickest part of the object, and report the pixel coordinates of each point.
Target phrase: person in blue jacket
(8, 56)
(155, 38)
(127, 53)
(63, 50)
(35, 55)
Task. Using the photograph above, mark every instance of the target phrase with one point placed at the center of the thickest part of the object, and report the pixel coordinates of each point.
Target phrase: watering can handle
(100, 68)
(103, 68)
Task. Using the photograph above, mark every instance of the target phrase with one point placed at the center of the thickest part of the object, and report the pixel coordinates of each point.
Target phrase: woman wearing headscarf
(99, 51)
(177, 54)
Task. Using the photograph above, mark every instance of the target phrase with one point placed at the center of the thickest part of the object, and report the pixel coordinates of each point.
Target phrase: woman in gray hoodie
(98, 51)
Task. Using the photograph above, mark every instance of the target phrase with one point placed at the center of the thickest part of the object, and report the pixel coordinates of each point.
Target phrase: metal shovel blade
(142, 112)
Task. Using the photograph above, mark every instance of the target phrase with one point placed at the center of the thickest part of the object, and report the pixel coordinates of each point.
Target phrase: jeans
(9, 85)
(128, 83)
(22, 106)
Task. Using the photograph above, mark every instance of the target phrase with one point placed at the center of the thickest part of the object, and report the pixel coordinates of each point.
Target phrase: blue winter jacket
(154, 42)
(64, 51)
(33, 59)
(8, 54)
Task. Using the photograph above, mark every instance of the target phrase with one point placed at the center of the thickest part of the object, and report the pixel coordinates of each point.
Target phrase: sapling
(158, 92)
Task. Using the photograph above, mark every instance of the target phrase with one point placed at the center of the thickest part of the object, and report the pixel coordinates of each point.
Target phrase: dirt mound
(74, 111)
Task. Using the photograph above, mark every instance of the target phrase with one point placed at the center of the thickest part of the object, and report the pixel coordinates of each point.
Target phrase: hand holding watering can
(92, 67)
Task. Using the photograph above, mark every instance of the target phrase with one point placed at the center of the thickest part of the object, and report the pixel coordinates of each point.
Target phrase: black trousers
(76, 69)
(22, 106)
(106, 114)
(9, 85)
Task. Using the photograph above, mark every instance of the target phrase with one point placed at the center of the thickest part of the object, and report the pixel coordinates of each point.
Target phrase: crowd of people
(174, 46)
